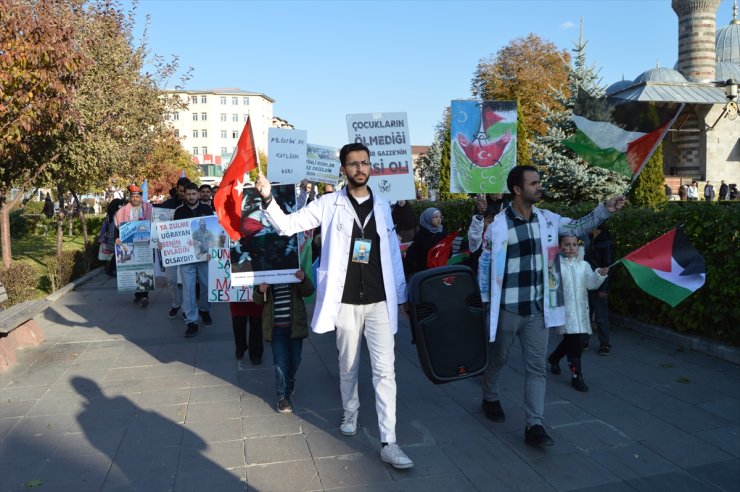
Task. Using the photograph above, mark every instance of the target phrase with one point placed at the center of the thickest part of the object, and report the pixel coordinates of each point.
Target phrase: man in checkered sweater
(519, 275)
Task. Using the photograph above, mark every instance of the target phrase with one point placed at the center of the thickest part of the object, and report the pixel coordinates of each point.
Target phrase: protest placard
(322, 164)
(387, 137)
(188, 240)
(482, 145)
(262, 255)
(219, 279)
(133, 255)
(286, 153)
(159, 214)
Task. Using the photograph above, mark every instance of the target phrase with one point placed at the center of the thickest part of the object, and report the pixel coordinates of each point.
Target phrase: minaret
(696, 38)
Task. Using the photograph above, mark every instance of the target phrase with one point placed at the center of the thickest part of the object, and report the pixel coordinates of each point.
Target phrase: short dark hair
(351, 147)
(516, 177)
(205, 187)
(173, 192)
(182, 182)
(191, 186)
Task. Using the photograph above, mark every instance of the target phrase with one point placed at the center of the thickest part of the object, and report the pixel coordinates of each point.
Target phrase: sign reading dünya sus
(387, 137)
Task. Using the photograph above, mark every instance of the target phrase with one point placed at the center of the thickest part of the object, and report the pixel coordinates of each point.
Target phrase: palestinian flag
(669, 268)
(619, 135)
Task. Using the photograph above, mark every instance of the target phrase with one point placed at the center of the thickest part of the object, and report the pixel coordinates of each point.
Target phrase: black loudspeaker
(449, 323)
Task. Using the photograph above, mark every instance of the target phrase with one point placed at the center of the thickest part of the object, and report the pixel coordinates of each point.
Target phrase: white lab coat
(333, 213)
(578, 279)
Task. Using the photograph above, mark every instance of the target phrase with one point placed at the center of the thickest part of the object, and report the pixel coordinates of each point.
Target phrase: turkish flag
(228, 199)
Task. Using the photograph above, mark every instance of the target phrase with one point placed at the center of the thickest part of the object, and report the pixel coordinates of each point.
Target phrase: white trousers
(372, 319)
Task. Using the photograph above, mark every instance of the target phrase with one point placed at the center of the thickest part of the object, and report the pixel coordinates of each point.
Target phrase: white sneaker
(393, 455)
(349, 424)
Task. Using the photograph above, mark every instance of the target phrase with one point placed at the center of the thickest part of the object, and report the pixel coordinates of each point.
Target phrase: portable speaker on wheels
(449, 323)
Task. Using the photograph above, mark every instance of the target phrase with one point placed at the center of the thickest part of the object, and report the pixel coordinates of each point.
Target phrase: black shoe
(144, 302)
(493, 411)
(192, 330)
(554, 365)
(239, 354)
(536, 436)
(578, 383)
(206, 317)
(284, 406)
(604, 349)
(173, 313)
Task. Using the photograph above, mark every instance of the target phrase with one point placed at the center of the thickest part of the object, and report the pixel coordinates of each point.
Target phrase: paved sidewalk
(117, 399)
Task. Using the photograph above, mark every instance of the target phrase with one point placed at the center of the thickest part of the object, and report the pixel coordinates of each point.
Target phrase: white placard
(286, 155)
(322, 164)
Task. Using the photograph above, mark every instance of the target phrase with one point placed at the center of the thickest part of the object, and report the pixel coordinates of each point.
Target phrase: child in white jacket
(578, 278)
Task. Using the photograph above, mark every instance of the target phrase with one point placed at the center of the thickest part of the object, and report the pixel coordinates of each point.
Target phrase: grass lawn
(36, 249)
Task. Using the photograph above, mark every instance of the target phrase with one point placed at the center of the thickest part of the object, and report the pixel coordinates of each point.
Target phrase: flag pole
(658, 142)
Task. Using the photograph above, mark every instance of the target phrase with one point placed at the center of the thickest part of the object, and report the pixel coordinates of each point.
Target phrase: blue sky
(322, 60)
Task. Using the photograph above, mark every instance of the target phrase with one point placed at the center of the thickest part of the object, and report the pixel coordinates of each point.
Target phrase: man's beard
(356, 184)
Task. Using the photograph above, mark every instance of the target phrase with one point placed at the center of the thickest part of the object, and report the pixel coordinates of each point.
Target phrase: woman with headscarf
(108, 233)
(430, 233)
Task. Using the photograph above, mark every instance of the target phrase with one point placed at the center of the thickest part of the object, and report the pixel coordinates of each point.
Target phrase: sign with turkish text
(286, 153)
(322, 164)
(219, 279)
(135, 272)
(188, 240)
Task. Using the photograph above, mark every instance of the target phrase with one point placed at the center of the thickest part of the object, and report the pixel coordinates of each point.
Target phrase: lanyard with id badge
(361, 246)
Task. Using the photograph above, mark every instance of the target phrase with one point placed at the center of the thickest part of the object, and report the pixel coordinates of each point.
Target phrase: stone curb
(719, 350)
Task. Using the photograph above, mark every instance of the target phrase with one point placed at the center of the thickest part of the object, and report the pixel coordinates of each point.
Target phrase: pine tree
(648, 189)
(566, 178)
(523, 157)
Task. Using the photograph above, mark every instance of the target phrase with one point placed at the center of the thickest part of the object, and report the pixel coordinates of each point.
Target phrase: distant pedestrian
(404, 219)
(48, 210)
(578, 278)
(134, 210)
(285, 324)
(709, 193)
(724, 191)
(692, 192)
(682, 193)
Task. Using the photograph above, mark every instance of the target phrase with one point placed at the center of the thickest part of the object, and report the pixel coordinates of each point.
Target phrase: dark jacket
(298, 315)
(185, 212)
(600, 254)
(416, 255)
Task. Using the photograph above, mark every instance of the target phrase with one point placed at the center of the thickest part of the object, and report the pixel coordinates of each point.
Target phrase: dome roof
(725, 71)
(660, 74)
(619, 85)
(728, 40)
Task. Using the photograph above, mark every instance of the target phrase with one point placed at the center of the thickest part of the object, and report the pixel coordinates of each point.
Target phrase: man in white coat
(519, 275)
(356, 293)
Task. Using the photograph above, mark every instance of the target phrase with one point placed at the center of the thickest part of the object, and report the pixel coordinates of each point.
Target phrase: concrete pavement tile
(264, 450)
(6, 424)
(295, 475)
(685, 450)
(592, 434)
(439, 406)
(727, 408)
(675, 482)
(143, 469)
(428, 460)
(639, 425)
(514, 440)
(172, 413)
(119, 386)
(328, 444)
(257, 407)
(385, 486)
(690, 418)
(10, 408)
(97, 351)
(496, 476)
(609, 487)
(35, 378)
(212, 431)
(149, 372)
(206, 379)
(53, 406)
(565, 412)
(11, 393)
(725, 438)
(648, 398)
(154, 434)
(313, 420)
(572, 471)
(91, 421)
(212, 479)
(632, 461)
(724, 475)
(43, 425)
(156, 398)
(272, 425)
(350, 470)
(221, 454)
(225, 392)
(104, 441)
(134, 360)
(213, 411)
(16, 474)
(79, 473)
(445, 481)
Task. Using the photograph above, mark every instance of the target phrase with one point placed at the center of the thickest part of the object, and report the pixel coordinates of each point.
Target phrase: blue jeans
(286, 353)
(189, 306)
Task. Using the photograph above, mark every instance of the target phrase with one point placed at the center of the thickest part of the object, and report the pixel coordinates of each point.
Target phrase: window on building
(223, 99)
(234, 117)
(235, 101)
(204, 116)
(205, 150)
(167, 117)
(195, 133)
(204, 133)
(246, 100)
(175, 116)
(177, 133)
(195, 116)
(194, 99)
(223, 133)
(195, 150)
(223, 116)
(203, 99)
(246, 115)
(234, 133)
(223, 150)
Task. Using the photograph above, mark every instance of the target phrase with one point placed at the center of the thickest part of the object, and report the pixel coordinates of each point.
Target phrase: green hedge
(713, 228)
